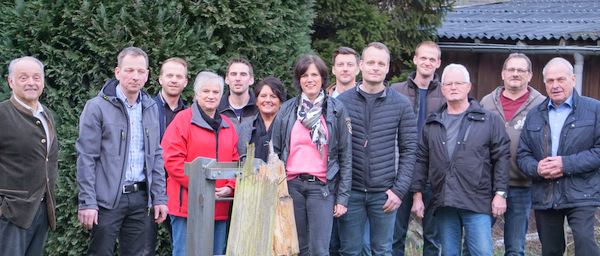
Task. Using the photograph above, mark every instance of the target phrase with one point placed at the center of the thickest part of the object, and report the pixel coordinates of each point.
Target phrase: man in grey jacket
(120, 170)
(512, 102)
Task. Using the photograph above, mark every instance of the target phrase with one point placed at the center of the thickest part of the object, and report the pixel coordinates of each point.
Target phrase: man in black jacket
(383, 123)
(28, 162)
(423, 90)
(464, 153)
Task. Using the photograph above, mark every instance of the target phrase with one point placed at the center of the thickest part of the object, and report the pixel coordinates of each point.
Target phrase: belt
(135, 187)
(307, 177)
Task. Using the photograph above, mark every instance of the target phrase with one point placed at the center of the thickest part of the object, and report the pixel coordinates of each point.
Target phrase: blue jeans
(179, 227)
(351, 226)
(478, 231)
(313, 211)
(516, 220)
(334, 245)
(431, 239)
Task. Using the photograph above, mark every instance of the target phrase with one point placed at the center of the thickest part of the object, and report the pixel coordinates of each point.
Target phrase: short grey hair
(133, 51)
(206, 76)
(558, 60)
(14, 62)
(455, 66)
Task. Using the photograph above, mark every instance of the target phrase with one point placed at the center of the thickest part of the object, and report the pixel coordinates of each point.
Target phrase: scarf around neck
(309, 114)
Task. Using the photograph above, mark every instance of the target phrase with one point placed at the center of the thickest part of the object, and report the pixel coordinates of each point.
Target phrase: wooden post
(253, 218)
(285, 240)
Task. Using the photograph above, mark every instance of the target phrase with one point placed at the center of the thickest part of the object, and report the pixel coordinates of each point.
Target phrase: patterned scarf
(309, 115)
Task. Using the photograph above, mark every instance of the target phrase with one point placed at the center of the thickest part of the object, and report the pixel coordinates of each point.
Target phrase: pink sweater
(304, 156)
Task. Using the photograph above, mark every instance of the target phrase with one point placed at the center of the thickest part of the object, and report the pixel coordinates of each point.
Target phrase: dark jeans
(313, 210)
(550, 225)
(24, 241)
(431, 239)
(128, 221)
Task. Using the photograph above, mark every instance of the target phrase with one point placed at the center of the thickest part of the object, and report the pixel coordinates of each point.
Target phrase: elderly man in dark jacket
(559, 149)
(464, 152)
(383, 122)
(28, 162)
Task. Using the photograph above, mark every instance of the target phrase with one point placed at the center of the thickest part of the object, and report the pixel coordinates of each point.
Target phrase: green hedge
(78, 41)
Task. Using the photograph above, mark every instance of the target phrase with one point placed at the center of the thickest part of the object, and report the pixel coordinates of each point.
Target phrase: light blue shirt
(556, 119)
(135, 162)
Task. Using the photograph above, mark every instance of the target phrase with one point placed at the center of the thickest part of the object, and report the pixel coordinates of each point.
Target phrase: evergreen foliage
(400, 24)
(78, 41)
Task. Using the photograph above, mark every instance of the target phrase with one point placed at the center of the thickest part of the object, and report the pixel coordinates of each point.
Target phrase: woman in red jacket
(199, 131)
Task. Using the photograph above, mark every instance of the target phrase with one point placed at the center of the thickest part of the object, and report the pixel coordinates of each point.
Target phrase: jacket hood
(533, 94)
(200, 122)
(109, 92)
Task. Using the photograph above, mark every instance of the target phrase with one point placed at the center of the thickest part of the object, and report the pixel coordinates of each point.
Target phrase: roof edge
(527, 49)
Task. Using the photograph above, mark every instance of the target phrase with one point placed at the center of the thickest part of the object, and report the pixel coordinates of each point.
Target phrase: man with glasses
(464, 152)
(512, 102)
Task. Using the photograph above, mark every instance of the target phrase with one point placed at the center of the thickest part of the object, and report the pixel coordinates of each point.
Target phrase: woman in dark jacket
(311, 134)
(269, 97)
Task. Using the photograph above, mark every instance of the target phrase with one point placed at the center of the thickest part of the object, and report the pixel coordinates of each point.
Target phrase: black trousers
(550, 228)
(24, 241)
(128, 221)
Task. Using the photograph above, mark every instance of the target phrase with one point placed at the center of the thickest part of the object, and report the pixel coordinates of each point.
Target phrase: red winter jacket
(186, 138)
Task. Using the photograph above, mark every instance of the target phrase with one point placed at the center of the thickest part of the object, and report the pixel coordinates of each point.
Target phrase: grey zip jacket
(102, 150)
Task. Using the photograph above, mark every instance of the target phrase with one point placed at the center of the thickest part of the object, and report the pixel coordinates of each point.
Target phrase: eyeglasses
(519, 71)
(454, 83)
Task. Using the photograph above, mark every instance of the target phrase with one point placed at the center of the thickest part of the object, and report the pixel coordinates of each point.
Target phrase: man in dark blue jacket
(173, 79)
(559, 148)
(383, 123)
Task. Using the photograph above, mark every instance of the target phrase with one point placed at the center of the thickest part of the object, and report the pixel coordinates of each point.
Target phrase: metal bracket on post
(203, 174)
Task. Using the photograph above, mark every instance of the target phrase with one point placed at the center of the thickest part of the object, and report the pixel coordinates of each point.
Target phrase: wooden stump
(255, 213)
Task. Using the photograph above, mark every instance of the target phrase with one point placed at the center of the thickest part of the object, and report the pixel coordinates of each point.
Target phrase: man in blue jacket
(120, 172)
(383, 123)
(173, 79)
(559, 148)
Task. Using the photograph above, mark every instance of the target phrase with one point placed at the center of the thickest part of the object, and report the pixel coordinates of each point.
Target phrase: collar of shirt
(122, 97)
(568, 103)
(40, 109)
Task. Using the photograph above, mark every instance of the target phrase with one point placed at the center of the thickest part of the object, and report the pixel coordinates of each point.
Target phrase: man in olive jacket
(511, 102)
(28, 162)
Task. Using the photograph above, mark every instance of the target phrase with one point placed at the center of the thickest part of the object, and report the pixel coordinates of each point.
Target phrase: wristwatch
(501, 193)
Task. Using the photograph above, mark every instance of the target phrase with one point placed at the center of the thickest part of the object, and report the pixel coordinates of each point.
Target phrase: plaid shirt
(135, 162)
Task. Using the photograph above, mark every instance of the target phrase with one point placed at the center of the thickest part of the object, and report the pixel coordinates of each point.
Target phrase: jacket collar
(543, 107)
(383, 95)
(109, 93)
(224, 104)
(200, 122)
(474, 110)
(435, 82)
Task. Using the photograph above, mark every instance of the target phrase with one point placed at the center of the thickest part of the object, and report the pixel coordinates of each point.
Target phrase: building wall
(485, 71)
